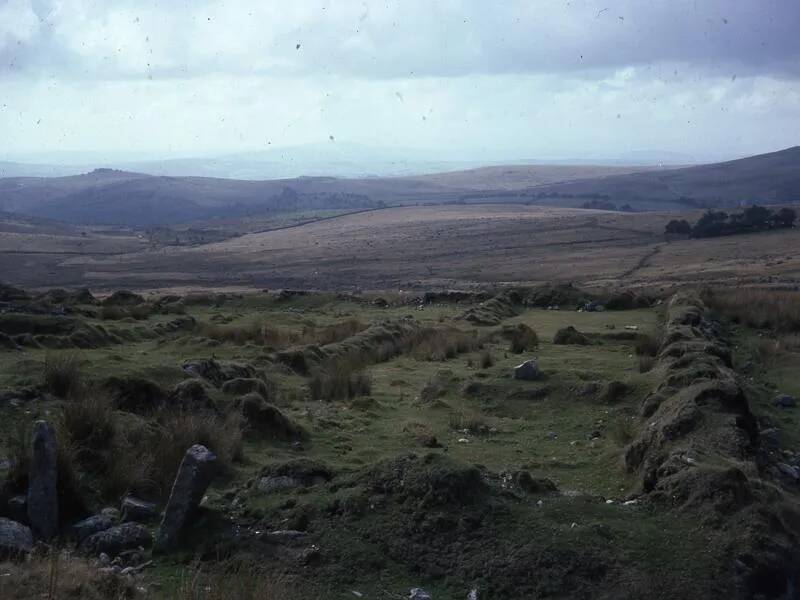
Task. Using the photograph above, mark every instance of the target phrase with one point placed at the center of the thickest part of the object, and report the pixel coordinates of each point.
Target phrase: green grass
(350, 436)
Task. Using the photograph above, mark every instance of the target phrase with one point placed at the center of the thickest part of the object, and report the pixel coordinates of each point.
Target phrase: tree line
(715, 223)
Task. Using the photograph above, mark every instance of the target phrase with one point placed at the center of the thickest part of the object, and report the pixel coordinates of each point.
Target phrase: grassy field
(430, 416)
(416, 247)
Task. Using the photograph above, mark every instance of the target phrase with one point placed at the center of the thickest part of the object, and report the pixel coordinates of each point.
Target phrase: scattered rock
(198, 467)
(90, 526)
(785, 401)
(127, 536)
(18, 508)
(789, 471)
(473, 595)
(277, 483)
(528, 371)
(16, 540)
(419, 594)
(135, 509)
(43, 481)
(292, 473)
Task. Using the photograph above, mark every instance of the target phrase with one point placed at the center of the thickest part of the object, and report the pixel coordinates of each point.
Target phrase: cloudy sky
(474, 79)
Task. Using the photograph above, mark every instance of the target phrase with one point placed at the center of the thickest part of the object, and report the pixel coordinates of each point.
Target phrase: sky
(449, 79)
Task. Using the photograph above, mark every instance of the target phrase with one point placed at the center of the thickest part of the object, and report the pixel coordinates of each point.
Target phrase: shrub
(62, 374)
(486, 359)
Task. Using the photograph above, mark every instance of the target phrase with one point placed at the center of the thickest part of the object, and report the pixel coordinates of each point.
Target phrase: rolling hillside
(113, 197)
(763, 179)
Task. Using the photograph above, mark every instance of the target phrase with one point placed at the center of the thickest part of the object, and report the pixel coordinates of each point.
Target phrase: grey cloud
(110, 40)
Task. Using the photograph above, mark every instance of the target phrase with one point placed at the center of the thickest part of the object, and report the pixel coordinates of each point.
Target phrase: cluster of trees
(715, 223)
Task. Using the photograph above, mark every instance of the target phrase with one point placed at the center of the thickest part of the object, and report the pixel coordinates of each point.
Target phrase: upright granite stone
(42, 482)
(197, 469)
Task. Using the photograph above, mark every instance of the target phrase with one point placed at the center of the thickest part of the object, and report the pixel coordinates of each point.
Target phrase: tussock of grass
(521, 338)
(250, 331)
(623, 430)
(759, 308)
(62, 373)
(647, 345)
(646, 363)
(445, 344)
(60, 575)
(486, 359)
(470, 422)
(340, 379)
(244, 581)
(331, 334)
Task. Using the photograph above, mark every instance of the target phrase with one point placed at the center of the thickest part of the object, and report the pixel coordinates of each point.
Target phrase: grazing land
(420, 247)
(375, 443)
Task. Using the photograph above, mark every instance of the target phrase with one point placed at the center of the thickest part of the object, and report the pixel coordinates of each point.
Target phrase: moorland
(460, 390)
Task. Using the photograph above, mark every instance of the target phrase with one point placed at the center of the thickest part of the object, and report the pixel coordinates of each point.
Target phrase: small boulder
(277, 483)
(16, 540)
(43, 482)
(94, 524)
(17, 508)
(419, 594)
(115, 540)
(785, 401)
(198, 467)
(528, 371)
(135, 509)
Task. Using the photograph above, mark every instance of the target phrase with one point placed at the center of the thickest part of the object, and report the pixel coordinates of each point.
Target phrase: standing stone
(527, 371)
(197, 469)
(42, 482)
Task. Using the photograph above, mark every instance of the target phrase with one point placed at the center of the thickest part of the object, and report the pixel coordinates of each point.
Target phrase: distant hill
(115, 197)
(108, 196)
(763, 179)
